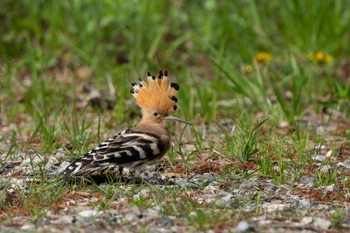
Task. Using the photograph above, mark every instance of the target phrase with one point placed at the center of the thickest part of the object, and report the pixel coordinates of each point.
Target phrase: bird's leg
(121, 170)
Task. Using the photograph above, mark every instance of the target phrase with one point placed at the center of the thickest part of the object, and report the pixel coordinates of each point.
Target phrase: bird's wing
(128, 148)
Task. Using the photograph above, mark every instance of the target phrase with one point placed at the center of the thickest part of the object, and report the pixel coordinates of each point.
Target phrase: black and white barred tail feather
(129, 148)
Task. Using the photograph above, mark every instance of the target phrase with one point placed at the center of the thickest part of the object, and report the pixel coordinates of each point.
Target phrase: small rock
(214, 184)
(210, 189)
(228, 200)
(88, 213)
(188, 148)
(345, 164)
(345, 223)
(52, 164)
(71, 203)
(283, 124)
(133, 215)
(204, 179)
(274, 207)
(248, 186)
(304, 204)
(200, 200)
(145, 192)
(293, 200)
(329, 189)
(66, 219)
(307, 180)
(319, 157)
(243, 226)
(322, 223)
(184, 183)
(306, 220)
(27, 227)
(325, 168)
(165, 221)
(270, 188)
(209, 200)
(223, 193)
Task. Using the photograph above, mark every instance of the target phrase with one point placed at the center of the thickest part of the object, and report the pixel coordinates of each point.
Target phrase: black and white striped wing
(128, 148)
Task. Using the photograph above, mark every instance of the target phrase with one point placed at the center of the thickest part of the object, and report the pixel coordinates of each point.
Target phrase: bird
(145, 143)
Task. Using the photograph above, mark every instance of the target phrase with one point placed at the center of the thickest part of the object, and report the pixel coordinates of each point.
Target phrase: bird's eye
(155, 114)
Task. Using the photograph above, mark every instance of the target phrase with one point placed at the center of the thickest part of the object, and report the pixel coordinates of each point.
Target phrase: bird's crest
(156, 93)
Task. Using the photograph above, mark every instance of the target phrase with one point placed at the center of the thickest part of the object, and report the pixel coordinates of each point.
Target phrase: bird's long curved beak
(172, 118)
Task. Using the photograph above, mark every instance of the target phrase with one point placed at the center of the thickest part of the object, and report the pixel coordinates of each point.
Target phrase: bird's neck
(155, 128)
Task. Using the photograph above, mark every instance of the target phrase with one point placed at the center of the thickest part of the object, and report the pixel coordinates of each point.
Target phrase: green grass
(50, 51)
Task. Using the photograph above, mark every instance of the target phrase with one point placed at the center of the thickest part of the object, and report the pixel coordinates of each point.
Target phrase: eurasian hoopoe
(148, 141)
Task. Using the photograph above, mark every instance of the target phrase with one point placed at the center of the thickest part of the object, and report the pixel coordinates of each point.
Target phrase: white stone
(64, 219)
(322, 223)
(325, 168)
(88, 213)
(274, 207)
(27, 227)
(329, 189)
(210, 189)
(145, 192)
(306, 220)
(319, 158)
(242, 226)
(329, 153)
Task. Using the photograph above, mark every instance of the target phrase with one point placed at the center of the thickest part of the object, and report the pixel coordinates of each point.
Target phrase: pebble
(248, 186)
(306, 220)
(210, 189)
(242, 226)
(325, 168)
(274, 207)
(345, 223)
(319, 157)
(165, 221)
(329, 189)
(293, 200)
(223, 193)
(27, 227)
(307, 180)
(145, 192)
(270, 188)
(204, 179)
(304, 204)
(153, 178)
(345, 164)
(65, 219)
(322, 223)
(88, 213)
(210, 200)
(225, 202)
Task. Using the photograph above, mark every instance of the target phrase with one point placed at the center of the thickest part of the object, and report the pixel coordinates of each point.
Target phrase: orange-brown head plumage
(156, 94)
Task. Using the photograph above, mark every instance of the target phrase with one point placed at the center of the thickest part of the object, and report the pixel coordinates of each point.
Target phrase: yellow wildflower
(263, 57)
(320, 57)
(248, 69)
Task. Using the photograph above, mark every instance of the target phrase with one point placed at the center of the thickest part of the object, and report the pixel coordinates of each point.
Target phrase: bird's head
(156, 98)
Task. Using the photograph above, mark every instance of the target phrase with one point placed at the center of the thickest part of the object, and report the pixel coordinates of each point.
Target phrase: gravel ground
(228, 202)
(228, 193)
